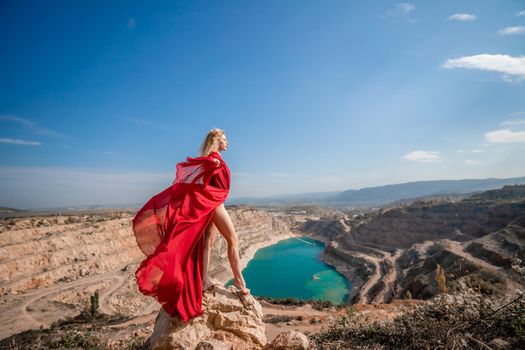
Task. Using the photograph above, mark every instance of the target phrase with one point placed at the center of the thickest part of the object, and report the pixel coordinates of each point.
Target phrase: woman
(175, 230)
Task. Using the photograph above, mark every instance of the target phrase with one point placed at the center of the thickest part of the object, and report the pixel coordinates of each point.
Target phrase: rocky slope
(397, 250)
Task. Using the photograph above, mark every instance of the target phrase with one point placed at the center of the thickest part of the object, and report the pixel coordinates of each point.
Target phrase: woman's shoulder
(215, 154)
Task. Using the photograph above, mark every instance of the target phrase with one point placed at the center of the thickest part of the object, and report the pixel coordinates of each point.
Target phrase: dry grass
(467, 321)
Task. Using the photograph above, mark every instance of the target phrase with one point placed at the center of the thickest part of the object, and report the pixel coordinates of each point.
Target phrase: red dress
(169, 230)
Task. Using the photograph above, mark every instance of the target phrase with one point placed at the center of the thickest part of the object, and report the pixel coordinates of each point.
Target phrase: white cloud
(512, 30)
(423, 156)
(513, 122)
(518, 113)
(505, 135)
(32, 125)
(401, 10)
(472, 162)
(15, 119)
(511, 67)
(463, 17)
(405, 7)
(19, 142)
(472, 151)
(521, 13)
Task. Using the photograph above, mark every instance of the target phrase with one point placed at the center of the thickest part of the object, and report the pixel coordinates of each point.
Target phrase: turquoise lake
(292, 268)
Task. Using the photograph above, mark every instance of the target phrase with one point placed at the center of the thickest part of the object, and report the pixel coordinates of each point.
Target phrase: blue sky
(99, 100)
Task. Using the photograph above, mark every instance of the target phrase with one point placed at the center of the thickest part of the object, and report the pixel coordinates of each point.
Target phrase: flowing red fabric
(169, 230)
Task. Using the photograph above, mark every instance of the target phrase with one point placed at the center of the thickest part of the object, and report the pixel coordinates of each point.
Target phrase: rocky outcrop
(228, 322)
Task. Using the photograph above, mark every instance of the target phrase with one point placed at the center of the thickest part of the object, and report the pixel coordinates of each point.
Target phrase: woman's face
(223, 143)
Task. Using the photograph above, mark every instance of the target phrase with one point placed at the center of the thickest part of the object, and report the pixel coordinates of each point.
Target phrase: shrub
(462, 323)
(408, 295)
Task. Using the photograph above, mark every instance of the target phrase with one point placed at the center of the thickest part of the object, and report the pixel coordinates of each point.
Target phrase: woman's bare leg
(222, 220)
(209, 238)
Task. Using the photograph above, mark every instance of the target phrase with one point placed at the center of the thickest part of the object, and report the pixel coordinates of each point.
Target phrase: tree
(93, 309)
(441, 279)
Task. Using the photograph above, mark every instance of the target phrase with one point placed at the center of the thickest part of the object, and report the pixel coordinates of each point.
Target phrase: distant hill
(376, 196)
(8, 210)
(390, 193)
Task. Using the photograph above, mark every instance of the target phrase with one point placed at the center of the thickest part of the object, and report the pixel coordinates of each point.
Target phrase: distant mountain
(289, 198)
(390, 193)
(376, 196)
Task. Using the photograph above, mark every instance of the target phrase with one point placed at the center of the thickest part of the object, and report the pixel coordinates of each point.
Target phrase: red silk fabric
(169, 230)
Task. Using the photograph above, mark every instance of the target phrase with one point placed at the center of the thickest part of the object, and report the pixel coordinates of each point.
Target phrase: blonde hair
(211, 141)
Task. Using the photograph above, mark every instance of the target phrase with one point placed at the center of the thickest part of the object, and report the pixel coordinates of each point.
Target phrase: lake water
(292, 268)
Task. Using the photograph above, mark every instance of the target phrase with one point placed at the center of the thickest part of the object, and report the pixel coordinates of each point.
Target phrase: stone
(289, 340)
(498, 344)
(315, 320)
(213, 344)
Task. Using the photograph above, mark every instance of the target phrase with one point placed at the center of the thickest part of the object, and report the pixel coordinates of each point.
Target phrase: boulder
(289, 340)
(228, 322)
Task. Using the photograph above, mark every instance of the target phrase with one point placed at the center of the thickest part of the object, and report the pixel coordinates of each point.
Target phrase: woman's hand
(217, 161)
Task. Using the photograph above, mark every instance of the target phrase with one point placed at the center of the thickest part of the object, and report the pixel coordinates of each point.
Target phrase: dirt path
(371, 281)
(103, 298)
(390, 277)
(422, 247)
(458, 249)
(321, 320)
(346, 228)
(31, 310)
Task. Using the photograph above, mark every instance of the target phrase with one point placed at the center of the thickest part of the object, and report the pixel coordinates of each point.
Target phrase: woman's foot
(208, 284)
(242, 287)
